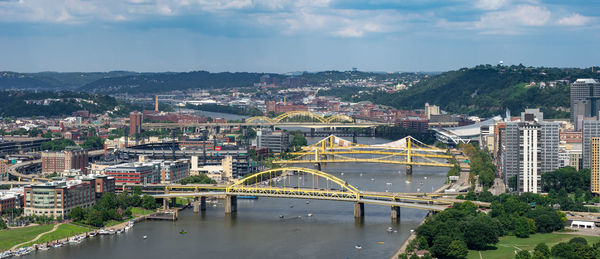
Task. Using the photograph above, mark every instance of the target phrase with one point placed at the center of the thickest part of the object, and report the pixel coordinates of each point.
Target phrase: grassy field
(507, 245)
(63, 231)
(140, 211)
(11, 237)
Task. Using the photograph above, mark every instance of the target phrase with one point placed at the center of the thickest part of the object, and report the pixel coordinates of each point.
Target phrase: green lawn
(509, 244)
(140, 211)
(11, 237)
(63, 231)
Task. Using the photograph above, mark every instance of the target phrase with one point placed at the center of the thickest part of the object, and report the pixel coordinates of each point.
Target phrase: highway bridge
(304, 183)
(288, 119)
(406, 151)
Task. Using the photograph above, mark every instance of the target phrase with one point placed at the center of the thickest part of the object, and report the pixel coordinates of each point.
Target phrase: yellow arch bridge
(302, 114)
(407, 151)
(302, 183)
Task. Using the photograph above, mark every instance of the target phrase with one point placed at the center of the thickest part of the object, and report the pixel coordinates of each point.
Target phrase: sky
(295, 35)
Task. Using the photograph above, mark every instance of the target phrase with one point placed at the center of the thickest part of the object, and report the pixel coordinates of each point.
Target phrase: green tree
(458, 249)
(521, 227)
(3, 224)
(440, 247)
(95, 218)
(538, 255)
(563, 250)
(481, 232)
(543, 249)
(523, 254)
(148, 202)
(578, 240)
(77, 214)
(137, 190)
(93, 143)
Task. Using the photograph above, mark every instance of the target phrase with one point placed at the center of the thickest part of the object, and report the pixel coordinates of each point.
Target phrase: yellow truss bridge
(304, 183)
(292, 114)
(407, 151)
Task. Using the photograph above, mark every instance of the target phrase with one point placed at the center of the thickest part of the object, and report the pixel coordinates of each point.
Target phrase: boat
(92, 234)
(103, 232)
(43, 247)
(358, 247)
(111, 232)
(372, 179)
(119, 231)
(389, 229)
(291, 206)
(307, 202)
(425, 177)
(183, 232)
(360, 174)
(407, 181)
(381, 242)
(342, 174)
(299, 217)
(127, 227)
(57, 245)
(309, 214)
(6, 254)
(280, 216)
(145, 237)
(388, 184)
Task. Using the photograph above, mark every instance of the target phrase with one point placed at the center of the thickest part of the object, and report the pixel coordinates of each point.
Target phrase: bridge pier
(312, 132)
(354, 137)
(359, 210)
(199, 204)
(165, 203)
(409, 169)
(230, 204)
(395, 213)
(318, 166)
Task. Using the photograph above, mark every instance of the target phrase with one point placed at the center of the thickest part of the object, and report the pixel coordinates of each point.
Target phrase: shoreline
(86, 233)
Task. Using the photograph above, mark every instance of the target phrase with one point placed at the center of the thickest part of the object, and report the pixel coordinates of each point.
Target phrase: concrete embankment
(412, 236)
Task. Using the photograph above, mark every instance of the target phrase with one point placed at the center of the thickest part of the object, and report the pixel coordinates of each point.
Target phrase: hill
(484, 90)
(49, 104)
(53, 80)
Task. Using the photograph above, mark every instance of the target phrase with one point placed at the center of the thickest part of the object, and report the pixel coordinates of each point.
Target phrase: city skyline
(285, 36)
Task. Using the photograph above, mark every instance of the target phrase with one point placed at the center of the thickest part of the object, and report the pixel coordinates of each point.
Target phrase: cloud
(491, 4)
(574, 19)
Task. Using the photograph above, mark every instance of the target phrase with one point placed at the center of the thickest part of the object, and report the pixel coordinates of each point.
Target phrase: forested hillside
(483, 90)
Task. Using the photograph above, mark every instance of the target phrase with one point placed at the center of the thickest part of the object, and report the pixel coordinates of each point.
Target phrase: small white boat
(299, 217)
(358, 247)
(145, 237)
(425, 177)
(372, 179)
(281, 216)
(127, 228)
(388, 184)
(389, 229)
(307, 202)
(309, 214)
(342, 174)
(407, 181)
(119, 231)
(92, 234)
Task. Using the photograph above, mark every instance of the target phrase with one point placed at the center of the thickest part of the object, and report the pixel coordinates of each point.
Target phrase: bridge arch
(339, 117)
(299, 113)
(319, 185)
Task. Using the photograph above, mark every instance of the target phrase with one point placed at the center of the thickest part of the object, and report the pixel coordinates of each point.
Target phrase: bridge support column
(359, 210)
(173, 202)
(166, 203)
(372, 131)
(354, 137)
(203, 203)
(395, 213)
(409, 169)
(318, 166)
(196, 206)
(312, 132)
(230, 204)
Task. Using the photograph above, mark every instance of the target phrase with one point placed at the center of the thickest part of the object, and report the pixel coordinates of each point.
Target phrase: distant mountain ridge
(116, 82)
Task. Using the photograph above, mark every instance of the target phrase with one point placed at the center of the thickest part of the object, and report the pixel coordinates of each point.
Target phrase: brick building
(59, 161)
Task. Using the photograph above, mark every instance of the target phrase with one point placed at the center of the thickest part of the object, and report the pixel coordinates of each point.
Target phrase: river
(256, 231)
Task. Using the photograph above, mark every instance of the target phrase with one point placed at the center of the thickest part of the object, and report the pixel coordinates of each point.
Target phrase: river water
(257, 231)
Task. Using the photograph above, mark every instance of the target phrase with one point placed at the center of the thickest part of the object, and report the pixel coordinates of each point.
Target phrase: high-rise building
(4, 166)
(59, 161)
(595, 165)
(174, 171)
(276, 141)
(135, 123)
(530, 149)
(591, 128)
(431, 110)
(585, 96)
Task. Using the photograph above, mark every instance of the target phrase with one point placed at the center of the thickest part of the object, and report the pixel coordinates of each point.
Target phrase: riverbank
(412, 236)
(60, 232)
